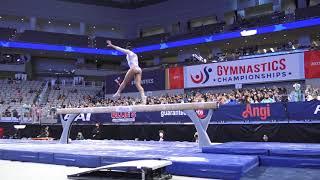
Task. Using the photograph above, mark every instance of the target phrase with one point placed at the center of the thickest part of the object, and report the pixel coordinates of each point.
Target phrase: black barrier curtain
(297, 133)
(303, 133)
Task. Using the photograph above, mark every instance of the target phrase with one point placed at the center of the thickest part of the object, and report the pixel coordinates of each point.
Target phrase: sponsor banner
(312, 64)
(224, 114)
(304, 110)
(263, 69)
(152, 80)
(135, 117)
(176, 79)
(250, 112)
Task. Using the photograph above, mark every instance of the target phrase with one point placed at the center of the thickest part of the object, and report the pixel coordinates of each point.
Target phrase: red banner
(176, 79)
(312, 64)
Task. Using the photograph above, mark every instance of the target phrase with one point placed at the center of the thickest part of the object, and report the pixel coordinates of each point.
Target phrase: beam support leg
(66, 125)
(201, 126)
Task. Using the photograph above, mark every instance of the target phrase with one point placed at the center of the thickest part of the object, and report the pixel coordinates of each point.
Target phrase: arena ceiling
(122, 4)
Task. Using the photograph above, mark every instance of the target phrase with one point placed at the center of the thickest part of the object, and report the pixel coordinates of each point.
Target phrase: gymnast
(134, 71)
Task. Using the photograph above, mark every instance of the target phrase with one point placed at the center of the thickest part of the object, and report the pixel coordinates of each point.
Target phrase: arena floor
(56, 161)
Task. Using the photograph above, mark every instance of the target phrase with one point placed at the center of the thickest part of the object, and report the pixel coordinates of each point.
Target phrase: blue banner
(225, 114)
(152, 80)
(303, 111)
(250, 112)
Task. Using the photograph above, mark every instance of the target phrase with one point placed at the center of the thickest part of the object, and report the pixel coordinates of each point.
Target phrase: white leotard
(132, 60)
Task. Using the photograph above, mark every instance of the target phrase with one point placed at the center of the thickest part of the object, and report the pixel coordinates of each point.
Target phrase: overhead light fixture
(0, 17)
(284, 35)
(22, 19)
(69, 24)
(94, 27)
(181, 50)
(112, 29)
(264, 50)
(228, 43)
(248, 32)
(49, 22)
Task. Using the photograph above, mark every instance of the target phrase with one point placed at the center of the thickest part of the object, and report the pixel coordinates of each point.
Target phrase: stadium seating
(6, 33)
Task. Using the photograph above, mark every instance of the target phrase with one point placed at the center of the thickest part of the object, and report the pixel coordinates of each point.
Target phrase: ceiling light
(49, 22)
(264, 38)
(112, 29)
(69, 24)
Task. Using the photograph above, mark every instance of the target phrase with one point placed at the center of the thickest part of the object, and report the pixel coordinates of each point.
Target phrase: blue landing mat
(273, 153)
(187, 157)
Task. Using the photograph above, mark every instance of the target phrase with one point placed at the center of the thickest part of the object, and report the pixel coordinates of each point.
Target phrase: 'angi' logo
(200, 113)
(262, 112)
(199, 78)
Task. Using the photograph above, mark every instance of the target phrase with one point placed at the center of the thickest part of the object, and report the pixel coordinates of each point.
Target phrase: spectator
(196, 137)
(161, 135)
(265, 138)
(296, 95)
(80, 136)
(267, 99)
(44, 133)
(96, 133)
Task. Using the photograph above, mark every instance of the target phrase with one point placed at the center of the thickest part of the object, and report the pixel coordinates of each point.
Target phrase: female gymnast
(134, 71)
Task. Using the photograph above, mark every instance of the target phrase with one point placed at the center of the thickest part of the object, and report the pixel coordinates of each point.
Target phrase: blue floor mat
(186, 157)
(292, 162)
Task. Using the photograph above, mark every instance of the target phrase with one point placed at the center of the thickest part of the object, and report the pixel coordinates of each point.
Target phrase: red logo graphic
(176, 78)
(262, 112)
(312, 64)
(199, 78)
(200, 113)
(121, 115)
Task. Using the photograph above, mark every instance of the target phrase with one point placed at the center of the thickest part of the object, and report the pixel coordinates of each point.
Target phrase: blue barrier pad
(77, 160)
(266, 148)
(292, 162)
(46, 158)
(20, 156)
(239, 148)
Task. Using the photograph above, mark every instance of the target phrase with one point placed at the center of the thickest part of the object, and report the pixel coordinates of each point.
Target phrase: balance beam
(188, 108)
(140, 108)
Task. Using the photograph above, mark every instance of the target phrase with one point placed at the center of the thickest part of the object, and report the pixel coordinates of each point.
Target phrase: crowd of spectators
(234, 97)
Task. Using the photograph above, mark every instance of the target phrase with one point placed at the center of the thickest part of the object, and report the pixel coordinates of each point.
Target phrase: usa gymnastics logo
(203, 77)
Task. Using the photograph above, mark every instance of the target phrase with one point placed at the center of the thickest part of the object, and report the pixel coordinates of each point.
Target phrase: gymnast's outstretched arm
(125, 51)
